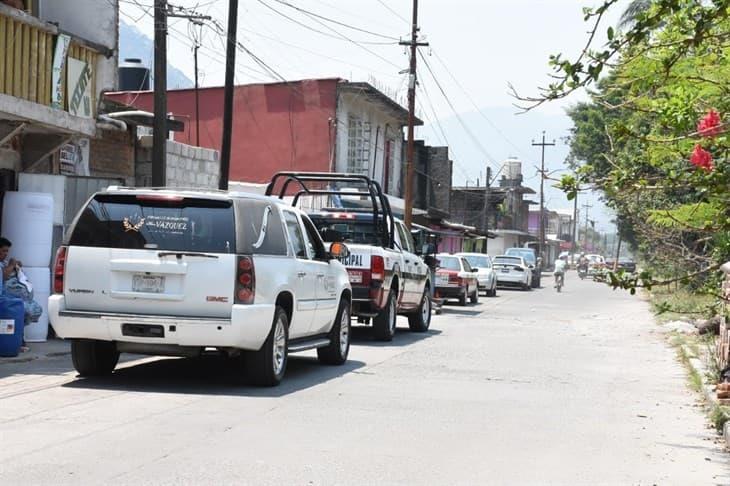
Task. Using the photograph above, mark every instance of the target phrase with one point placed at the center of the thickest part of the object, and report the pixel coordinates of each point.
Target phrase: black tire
(536, 282)
(339, 347)
(493, 291)
(474, 298)
(463, 297)
(94, 358)
(420, 320)
(261, 369)
(384, 323)
(526, 287)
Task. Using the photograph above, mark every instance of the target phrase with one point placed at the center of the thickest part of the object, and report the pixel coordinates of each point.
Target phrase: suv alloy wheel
(266, 367)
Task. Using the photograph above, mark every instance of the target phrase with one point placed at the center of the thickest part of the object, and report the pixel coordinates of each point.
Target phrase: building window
(358, 146)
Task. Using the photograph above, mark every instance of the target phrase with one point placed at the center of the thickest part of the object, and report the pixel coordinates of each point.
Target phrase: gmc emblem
(212, 298)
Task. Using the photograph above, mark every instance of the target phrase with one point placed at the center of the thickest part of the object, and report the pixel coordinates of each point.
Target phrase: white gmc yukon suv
(170, 272)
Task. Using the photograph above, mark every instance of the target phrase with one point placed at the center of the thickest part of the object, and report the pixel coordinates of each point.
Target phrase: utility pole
(196, 20)
(410, 163)
(575, 229)
(541, 243)
(485, 212)
(228, 94)
(618, 250)
(585, 235)
(159, 133)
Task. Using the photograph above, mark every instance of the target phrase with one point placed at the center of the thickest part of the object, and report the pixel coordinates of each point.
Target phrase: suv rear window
(353, 231)
(150, 222)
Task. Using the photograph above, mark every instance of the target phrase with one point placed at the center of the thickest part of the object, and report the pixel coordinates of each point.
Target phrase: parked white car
(166, 272)
(513, 271)
(482, 264)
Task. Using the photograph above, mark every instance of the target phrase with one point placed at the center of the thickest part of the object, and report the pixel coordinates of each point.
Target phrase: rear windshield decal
(132, 224)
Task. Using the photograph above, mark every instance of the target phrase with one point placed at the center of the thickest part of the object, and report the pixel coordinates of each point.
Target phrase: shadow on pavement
(462, 311)
(212, 375)
(363, 336)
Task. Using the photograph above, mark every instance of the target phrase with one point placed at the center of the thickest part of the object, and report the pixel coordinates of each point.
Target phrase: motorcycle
(583, 271)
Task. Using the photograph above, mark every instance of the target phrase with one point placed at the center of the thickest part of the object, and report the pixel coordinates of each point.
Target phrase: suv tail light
(245, 281)
(59, 269)
(377, 268)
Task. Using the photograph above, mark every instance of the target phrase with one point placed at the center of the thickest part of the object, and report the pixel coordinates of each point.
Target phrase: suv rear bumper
(248, 327)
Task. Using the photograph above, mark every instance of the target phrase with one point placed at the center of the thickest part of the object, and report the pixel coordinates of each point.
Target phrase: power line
(466, 128)
(337, 22)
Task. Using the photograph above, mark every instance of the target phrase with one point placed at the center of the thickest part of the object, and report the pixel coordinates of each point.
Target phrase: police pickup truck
(387, 276)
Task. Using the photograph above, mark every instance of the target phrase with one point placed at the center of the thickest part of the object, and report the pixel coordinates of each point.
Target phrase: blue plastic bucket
(12, 318)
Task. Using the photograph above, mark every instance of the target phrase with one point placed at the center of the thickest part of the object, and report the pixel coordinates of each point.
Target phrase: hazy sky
(478, 47)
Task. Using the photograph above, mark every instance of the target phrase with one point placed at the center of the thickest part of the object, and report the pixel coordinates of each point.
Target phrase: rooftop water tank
(513, 169)
(133, 76)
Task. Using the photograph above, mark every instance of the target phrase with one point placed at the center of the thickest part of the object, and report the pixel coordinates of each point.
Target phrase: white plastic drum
(28, 224)
(40, 278)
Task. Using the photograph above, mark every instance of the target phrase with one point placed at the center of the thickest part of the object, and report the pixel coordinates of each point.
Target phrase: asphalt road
(526, 388)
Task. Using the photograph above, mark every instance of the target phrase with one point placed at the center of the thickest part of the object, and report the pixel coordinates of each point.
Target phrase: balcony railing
(26, 59)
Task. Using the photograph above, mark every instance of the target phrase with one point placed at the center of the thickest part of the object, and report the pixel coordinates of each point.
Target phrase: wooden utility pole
(231, 47)
(196, 20)
(542, 145)
(574, 246)
(585, 235)
(410, 154)
(485, 212)
(159, 132)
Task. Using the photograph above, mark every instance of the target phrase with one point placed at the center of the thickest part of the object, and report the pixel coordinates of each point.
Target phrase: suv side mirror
(339, 251)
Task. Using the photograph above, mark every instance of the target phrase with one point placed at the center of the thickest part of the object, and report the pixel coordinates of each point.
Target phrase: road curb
(707, 390)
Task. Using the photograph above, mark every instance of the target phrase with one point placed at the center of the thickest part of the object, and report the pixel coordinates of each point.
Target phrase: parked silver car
(486, 275)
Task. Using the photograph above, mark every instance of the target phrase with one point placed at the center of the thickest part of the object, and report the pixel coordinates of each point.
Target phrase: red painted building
(310, 125)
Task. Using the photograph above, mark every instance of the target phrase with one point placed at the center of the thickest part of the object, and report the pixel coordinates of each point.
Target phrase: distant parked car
(513, 271)
(627, 264)
(456, 279)
(486, 275)
(532, 260)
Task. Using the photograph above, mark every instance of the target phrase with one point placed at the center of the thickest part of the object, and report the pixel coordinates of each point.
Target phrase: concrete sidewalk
(52, 348)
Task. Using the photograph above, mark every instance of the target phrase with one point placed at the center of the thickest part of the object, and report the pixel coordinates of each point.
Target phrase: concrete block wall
(187, 166)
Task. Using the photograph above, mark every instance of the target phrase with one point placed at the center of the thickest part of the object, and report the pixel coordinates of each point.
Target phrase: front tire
(266, 367)
(339, 347)
(385, 322)
(94, 358)
(475, 297)
(420, 320)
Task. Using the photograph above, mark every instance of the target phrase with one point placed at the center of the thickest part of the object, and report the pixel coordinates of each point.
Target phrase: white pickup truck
(387, 276)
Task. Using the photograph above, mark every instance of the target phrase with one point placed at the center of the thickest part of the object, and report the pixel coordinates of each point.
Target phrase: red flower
(702, 158)
(709, 126)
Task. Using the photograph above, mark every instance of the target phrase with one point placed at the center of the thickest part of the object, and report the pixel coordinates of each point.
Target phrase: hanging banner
(74, 158)
(78, 88)
(63, 42)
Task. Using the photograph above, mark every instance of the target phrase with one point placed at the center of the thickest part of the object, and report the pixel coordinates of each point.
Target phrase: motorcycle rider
(583, 264)
(561, 264)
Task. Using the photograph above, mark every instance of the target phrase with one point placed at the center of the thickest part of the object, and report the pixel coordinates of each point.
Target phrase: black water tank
(133, 76)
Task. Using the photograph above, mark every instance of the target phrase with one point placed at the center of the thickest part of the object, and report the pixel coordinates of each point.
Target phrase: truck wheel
(94, 358)
(339, 336)
(463, 297)
(493, 291)
(266, 367)
(475, 297)
(384, 322)
(420, 320)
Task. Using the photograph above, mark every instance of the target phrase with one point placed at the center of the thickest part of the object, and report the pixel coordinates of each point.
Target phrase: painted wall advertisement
(79, 88)
(74, 158)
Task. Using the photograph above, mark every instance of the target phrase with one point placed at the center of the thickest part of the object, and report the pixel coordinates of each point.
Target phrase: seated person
(14, 284)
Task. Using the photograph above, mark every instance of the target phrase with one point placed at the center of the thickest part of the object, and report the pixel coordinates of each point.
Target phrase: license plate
(151, 284)
(442, 280)
(355, 277)
(505, 270)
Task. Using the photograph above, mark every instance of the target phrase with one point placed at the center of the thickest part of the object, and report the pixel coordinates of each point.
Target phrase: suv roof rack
(380, 203)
